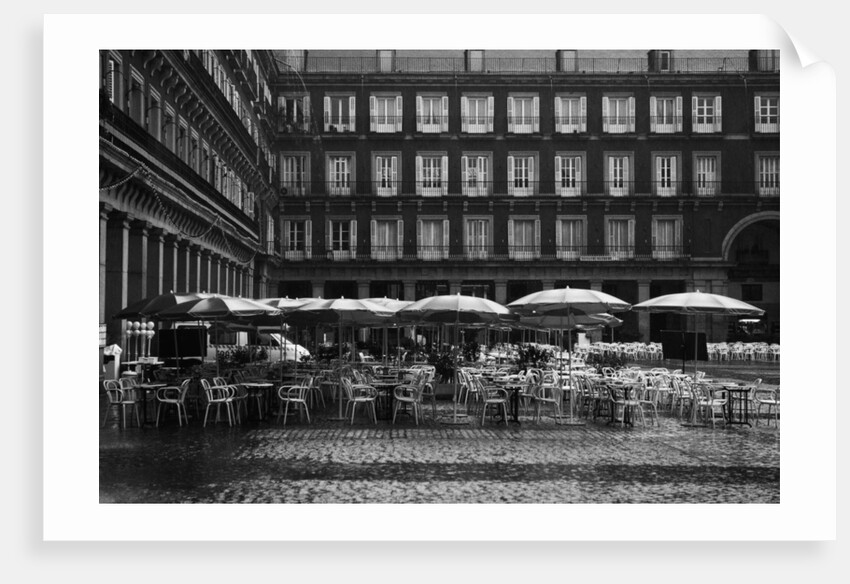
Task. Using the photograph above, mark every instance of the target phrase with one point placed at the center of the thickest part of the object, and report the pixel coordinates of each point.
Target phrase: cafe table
(737, 403)
(145, 389)
(262, 390)
(514, 385)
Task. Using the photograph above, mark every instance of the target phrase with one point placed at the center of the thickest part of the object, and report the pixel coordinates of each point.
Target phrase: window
(205, 163)
(477, 237)
(386, 174)
(666, 238)
(387, 239)
(476, 114)
(113, 80)
(432, 114)
(475, 171)
(618, 114)
(340, 170)
(523, 114)
(432, 173)
(666, 174)
(341, 239)
(432, 238)
(620, 235)
(270, 247)
(194, 152)
(385, 113)
(294, 174)
(665, 114)
(570, 237)
(168, 132)
(339, 113)
(566, 60)
(523, 238)
(767, 113)
(663, 60)
(707, 174)
(570, 114)
(297, 239)
(294, 114)
(618, 171)
(568, 175)
(182, 149)
(768, 174)
(293, 59)
(706, 111)
(764, 60)
(475, 61)
(385, 61)
(522, 180)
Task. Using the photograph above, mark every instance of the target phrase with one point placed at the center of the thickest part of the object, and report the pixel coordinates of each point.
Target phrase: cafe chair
(493, 398)
(710, 402)
(218, 396)
(295, 396)
(766, 398)
(429, 393)
(409, 395)
(547, 395)
(120, 398)
(173, 395)
(365, 395)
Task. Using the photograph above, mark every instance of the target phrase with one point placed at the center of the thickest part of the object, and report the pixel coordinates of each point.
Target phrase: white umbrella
(696, 303)
(394, 305)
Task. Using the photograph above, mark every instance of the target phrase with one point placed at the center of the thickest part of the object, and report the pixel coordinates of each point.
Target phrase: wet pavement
(328, 461)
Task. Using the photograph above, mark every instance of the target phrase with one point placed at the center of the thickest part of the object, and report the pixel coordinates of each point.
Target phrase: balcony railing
(518, 65)
(501, 253)
(521, 188)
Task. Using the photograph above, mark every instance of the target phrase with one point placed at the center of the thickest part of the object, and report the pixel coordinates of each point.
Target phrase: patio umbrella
(343, 311)
(697, 303)
(456, 309)
(568, 302)
(215, 308)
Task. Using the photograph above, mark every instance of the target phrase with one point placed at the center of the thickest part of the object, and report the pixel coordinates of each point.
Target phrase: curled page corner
(804, 55)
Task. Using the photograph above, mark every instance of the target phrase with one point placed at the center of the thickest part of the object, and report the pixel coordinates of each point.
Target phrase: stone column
(643, 317)
(104, 218)
(115, 289)
(227, 283)
(215, 273)
(169, 264)
(137, 261)
(183, 266)
(204, 282)
(501, 291)
(194, 267)
(156, 252)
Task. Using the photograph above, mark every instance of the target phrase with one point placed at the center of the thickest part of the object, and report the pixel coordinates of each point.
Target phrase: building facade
(188, 190)
(499, 173)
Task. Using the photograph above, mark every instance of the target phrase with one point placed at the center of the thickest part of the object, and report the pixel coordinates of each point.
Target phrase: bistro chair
(359, 395)
(767, 398)
(492, 398)
(410, 394)
(176, 396)
(547, 394)
(295, 396)
(218, 396)
(120, 398)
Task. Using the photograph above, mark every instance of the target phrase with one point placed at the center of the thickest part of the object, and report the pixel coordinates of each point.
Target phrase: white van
(273, 343)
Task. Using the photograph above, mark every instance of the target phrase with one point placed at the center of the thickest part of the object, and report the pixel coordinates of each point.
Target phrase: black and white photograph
(525, 288)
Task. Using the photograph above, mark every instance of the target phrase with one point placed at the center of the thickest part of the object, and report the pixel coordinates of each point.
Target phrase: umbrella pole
(280, 360)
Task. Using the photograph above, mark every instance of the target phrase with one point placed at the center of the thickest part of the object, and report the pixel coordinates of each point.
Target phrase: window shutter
(400, 237)
(657, 175)
(532, 178)
(758, 110)
(559, 234)
(378, 167)
(579, 181)
(464, 114)
(582, 105)
(373, 113)
(418, 175)
(510, 175)
(418, 113)
(626, 176)
(653, 113)
(444, 174)
(677, 233)
(352, 113)
(444, 113)
(535, 107)
(511, 251)
(398, 113)
(654, 233)
(445, 238)
(718, 116)
(631, 235)
(490, 108)
(282, 106)
(328, 235)
(510, 114)
(394, 171)
(464, 174)
(419, 229)
(307, 110)
(373, 226)
(286, 235)
(679, 106)
(537, 238)
(353, 238)
(483, 172)
(308, 238)
(604, 114)
(631, 114)
(693, 112)
(558, 175)
(558, 115)
(673, 165)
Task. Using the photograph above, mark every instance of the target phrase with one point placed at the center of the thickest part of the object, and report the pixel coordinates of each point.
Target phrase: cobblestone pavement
(331, 461)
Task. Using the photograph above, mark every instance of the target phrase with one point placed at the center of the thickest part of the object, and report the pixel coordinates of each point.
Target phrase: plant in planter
(444, 367)
(529, 355)
(600, 361)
